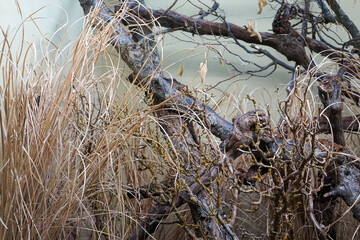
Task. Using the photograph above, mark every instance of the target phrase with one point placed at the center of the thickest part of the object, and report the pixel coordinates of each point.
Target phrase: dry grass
(69, 144)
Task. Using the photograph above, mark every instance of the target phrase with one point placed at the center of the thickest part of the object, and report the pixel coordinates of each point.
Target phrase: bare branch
(344, 19)
(281, 43)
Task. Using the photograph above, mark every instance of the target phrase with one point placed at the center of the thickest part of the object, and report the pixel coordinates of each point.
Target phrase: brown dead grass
(69, 144)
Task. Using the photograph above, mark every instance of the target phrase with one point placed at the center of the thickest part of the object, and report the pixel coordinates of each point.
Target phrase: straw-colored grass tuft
(70, 143)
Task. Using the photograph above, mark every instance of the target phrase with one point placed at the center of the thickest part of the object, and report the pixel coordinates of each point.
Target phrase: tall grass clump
(70, 142)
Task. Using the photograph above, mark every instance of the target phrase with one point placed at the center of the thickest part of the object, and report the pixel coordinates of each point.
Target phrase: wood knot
(281, 23)
(246, 130)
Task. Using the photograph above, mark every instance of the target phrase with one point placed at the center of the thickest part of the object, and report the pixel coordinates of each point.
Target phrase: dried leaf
(180, 70)
(251, 28)
(202, 71)
(262, 3)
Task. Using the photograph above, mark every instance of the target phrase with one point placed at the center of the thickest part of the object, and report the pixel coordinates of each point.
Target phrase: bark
(347, 186)
(244, 132)
(349, 123)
